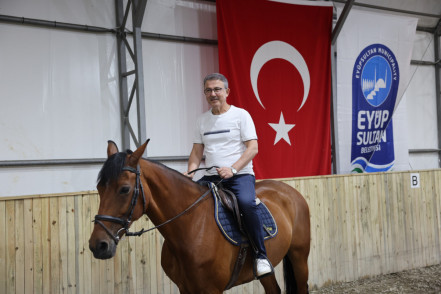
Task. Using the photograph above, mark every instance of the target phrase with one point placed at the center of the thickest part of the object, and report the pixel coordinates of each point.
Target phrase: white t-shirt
(223, 137)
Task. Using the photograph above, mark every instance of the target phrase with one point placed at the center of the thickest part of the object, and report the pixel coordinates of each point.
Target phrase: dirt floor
(422, 280)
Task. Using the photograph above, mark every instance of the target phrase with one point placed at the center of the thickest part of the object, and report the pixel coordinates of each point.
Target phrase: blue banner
(375, 81)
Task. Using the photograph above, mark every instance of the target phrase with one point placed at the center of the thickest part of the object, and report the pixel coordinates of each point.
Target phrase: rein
(125, 223)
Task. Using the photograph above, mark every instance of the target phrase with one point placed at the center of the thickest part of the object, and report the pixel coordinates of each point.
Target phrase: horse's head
(122, 199)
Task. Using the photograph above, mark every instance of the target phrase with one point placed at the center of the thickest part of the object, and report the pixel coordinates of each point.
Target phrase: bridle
(125, 223)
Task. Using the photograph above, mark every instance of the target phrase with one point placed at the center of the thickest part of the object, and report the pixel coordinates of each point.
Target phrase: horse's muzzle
(102, 249)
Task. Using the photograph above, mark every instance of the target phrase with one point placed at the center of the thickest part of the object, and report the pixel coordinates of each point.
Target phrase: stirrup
(262, 275)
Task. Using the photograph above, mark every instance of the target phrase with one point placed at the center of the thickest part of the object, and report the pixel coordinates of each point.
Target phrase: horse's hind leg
(296, 273)
(270, 285)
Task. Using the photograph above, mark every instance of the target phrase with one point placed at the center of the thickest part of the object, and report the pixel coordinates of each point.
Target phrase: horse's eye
(124, 190)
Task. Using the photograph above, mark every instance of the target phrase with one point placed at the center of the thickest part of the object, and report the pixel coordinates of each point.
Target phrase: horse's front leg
(270, 285)
(169, 264)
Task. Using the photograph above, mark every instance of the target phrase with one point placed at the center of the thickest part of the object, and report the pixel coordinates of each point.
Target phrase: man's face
(217, 97)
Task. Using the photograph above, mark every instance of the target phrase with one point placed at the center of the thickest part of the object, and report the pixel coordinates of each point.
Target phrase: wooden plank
(85, 276)
(382, 227)
(334, 229)
(145, 255)
(417, 199)
(352, 230)
(345, 259)
(71, 244)
(28, 246)
(63, 243)
(3, 247)
(152, 262)
(409, 218)
(139, 259)
(19, 246)
(313, 265)
(431, 217)
(38, 246)
(341, 258)
(406, 220)
(160, 272)
(56, 279)
(10, 250)
(374, 204)
(95, 272)
(437, 212)
(117, 273)
(357, 253)
(107, 277)
(426, 217)
(395, 225)
(370, 227)
(79, 243)
(388, 214)
(123, 249)
(321, 191)
(318, 220)
(46, 244)
(402, 256)
(132, 268)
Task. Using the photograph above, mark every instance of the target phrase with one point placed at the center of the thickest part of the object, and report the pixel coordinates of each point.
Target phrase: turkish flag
(277, 58)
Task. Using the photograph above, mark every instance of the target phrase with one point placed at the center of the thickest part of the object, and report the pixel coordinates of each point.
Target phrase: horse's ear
(111, 148)
(135, 156)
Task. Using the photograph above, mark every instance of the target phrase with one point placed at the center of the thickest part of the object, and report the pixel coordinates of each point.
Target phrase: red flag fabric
(276, 57)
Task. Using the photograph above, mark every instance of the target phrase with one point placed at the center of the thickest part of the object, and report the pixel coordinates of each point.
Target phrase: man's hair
(216, 77)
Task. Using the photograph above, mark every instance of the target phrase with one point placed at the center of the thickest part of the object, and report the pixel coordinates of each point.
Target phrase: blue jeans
(243, 187)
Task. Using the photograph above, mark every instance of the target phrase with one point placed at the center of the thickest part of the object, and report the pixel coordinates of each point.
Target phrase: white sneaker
(263, 267)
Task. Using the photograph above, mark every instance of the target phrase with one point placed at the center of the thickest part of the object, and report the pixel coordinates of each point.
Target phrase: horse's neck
(170, 194)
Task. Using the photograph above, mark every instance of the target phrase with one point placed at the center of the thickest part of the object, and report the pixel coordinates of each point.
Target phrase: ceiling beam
(341, 20)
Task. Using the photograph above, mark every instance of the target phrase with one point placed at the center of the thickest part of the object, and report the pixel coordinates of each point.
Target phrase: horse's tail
(288, 275)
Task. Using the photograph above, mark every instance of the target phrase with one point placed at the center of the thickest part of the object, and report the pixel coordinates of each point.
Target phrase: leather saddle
(229, 202)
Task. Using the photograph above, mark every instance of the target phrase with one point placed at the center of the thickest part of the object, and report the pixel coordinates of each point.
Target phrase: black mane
(112, 168)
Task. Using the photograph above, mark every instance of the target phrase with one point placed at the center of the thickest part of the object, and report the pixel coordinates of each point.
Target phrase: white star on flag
(282, 130)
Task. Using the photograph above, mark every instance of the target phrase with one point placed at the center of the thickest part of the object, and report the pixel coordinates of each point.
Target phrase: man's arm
(195, 158)
(250, 152)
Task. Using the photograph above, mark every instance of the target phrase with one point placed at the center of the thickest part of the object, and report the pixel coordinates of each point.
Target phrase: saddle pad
(229, 228)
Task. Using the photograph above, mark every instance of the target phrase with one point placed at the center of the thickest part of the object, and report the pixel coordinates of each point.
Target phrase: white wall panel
(420, 161)
(47, 179)
(99, 13)
(422, 122)
(59, 93)
(195, 19)
(174, 73)
(423, 47)
(59, 101)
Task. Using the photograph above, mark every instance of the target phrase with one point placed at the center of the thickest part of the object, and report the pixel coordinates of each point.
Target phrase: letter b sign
(415, 180)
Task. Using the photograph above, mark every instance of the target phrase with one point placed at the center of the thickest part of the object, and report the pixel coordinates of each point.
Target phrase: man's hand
(225, 172)
(188, 175)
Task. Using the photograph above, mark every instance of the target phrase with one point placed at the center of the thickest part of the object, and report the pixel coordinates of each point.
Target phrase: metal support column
(436, 39)
(137, 8)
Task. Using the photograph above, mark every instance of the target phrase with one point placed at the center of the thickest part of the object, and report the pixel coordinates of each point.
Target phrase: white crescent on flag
(282, 50)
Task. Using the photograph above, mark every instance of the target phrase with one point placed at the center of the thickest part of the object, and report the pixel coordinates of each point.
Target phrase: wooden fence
(361, 225)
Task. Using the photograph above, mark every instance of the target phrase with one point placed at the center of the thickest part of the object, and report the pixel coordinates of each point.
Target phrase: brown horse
(195, 255)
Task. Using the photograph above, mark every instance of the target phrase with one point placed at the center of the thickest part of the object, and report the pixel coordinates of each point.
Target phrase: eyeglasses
(208, 91)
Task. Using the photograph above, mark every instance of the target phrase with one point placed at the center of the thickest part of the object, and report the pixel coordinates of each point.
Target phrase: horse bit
(125, 223)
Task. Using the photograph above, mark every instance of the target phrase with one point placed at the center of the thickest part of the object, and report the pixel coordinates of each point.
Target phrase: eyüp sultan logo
(375, 82)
